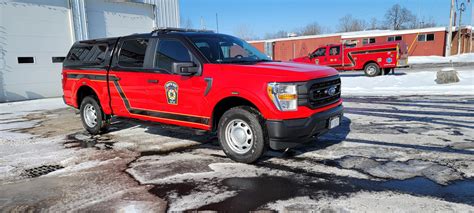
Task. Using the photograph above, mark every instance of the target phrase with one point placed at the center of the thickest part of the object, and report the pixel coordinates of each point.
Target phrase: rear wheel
(93, 118)
(242, 135)
(372, 69)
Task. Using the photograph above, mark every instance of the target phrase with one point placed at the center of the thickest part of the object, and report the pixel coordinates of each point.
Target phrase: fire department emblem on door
(171, 89)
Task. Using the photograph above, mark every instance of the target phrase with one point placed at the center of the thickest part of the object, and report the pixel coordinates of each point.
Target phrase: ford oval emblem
(331, 91)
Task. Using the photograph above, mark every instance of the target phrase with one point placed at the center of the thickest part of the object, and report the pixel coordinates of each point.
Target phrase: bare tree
(278, 34)
(373, 24)
(311, 29)
(244, 32)
(398, 17)
(427, 22)
(350, 24)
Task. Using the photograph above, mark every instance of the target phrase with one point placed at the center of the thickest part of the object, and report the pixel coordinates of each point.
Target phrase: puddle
(461, 191)
(79, 140)
(256, 192)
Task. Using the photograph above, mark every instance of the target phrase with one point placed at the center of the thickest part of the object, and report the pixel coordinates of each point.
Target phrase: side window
(320, 52)
(368, 40)
(394, 38)
(86, 55)
(334, 50)
(426, 37)
(132, 53)
(422, 37)
(170, 51)
(430, 37)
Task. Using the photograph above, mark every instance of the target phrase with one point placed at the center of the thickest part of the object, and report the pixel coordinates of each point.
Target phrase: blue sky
(262, 16)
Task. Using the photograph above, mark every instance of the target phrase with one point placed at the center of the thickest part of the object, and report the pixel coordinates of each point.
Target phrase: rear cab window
(335, 50)
(132, 53)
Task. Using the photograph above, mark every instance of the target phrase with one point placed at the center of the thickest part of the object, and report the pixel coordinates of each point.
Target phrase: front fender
(260, 102)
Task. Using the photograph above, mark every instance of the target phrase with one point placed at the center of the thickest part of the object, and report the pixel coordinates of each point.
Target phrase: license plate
(334, 122)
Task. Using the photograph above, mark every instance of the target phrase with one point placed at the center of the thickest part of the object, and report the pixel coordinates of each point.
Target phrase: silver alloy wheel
(90, 115)
(239, 136)
(371, 70)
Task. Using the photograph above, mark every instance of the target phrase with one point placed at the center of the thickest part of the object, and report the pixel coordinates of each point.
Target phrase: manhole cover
(42, 170)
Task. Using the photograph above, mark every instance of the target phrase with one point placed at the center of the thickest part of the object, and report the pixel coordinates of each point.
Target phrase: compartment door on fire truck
(334, 57)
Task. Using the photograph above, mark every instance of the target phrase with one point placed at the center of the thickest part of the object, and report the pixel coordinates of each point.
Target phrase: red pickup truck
(374, 59)
(202, 80)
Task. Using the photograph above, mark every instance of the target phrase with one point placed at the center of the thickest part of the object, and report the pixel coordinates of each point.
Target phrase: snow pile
(419, 83)
(463, 58)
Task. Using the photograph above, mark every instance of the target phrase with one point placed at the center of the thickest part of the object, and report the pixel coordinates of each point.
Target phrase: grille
(42, 170)
(321, 92)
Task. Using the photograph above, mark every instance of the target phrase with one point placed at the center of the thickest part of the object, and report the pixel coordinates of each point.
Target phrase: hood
(282, 71)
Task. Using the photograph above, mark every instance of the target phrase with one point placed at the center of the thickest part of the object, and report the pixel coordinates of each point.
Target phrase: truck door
(318, 57)
(176, 98)
(128, 76)
(334, 58)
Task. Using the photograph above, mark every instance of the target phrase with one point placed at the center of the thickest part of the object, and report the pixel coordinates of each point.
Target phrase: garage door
(33, 39)
(108, 18)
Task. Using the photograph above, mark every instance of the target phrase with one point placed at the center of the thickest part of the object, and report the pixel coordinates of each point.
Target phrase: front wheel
(242, 135)
(93, 118)
(372, 70)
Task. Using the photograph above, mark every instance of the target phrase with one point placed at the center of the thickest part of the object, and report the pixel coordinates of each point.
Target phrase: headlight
(284, 96)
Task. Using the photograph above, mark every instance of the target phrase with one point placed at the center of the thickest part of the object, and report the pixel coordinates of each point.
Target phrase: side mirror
(185, 68)
(310, 55)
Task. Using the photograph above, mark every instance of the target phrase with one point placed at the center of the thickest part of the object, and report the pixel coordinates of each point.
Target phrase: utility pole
(450, 30)
(203, 26)
(461, 9)
(217, 23)
(472, 23)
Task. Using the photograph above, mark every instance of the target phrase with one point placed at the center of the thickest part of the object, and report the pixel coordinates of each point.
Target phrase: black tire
(102, 120)
(387, 71)
(258, 136)
(372, 69)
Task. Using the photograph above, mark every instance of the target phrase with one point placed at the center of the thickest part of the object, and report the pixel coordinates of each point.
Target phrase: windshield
(227, 49)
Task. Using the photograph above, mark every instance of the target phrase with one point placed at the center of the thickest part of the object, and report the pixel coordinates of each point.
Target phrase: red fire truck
(374, 59)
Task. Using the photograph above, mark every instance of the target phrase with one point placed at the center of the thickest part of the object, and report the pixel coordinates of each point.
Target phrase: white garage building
(35, 36)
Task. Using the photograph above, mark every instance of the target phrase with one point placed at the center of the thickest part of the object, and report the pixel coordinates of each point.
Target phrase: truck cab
(202, 80)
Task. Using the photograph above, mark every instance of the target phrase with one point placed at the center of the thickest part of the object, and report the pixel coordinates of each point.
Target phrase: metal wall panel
(107, 18)
(38, 31)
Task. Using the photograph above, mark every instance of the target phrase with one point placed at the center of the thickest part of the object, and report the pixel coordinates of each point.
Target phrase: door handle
(152, 81)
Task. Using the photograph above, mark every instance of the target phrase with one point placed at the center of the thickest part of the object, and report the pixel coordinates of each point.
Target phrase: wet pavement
(412, 153)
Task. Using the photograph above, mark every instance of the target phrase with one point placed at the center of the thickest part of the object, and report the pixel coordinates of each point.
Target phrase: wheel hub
(371, 70)
(239, 136)
(90, 115)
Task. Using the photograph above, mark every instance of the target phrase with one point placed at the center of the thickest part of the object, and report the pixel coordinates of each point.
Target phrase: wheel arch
(225, 104)
(83, 92)
(370, 61)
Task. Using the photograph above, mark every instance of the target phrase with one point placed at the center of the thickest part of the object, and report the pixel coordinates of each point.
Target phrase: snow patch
(463, 58)
(419, 83)
(197, 199)
(369, 202)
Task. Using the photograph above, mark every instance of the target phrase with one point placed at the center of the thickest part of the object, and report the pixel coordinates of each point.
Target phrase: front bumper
(290, 133)
(402, 63)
